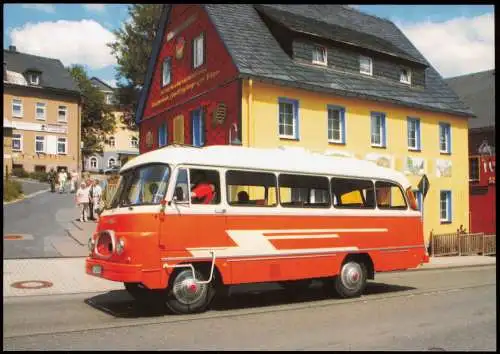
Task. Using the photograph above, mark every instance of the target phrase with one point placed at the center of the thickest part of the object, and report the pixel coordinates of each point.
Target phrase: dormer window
(365, 65)
(319, 55)
(109, 98)
(405, 76)
(34, 78)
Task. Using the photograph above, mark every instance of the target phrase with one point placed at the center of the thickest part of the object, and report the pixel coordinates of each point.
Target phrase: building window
(111, 141)
(134, 142)
(405, 76)
(474, 169)
(17, 142)
(62, 146)
(17, 108)
(445, 207)
(444, 138)
(41, 110)
(378, 132)
(198, 126)
(319, 55)
(336, 124)
(365, 65)
(162, 135)
(111, 162)
(198, 51)
(62, 115)
(39, 144)
(288, 119)
(167, 69)
(34, 78)
(109, 98)
(413, 134)
(93, 162)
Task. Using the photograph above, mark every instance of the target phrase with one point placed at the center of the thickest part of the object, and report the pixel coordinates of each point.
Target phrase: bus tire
(351, 282)
(184, 296)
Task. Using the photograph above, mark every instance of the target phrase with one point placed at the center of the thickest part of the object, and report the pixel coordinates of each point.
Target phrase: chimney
(12, 48)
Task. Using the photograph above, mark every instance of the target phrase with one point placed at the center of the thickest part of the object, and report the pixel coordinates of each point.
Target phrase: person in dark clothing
(91, 199)
(52, 180)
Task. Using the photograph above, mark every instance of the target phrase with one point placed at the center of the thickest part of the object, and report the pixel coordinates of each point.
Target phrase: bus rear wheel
(185, 296)
(351, 282)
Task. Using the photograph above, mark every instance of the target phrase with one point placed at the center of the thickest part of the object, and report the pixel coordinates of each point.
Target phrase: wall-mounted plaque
(220, 113)
(443, 168)
(179, 48)
(414, 166)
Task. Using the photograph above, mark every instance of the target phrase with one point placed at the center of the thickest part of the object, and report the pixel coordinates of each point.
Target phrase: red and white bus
(186, 222)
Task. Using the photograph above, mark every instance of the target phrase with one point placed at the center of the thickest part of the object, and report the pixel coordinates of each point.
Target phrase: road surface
(452, 309)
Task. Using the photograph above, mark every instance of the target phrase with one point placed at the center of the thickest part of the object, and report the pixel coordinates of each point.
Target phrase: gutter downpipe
(249, 110)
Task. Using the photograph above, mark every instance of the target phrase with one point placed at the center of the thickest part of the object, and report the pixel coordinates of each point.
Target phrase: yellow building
(327, 78)
(121, 145)
(41, 103)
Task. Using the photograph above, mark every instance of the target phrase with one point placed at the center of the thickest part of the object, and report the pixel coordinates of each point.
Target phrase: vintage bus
(282, 215)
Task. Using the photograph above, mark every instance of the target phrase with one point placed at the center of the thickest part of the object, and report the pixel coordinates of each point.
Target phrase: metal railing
(462, 244)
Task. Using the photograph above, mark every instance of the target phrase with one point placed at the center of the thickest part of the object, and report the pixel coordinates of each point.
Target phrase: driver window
(181, 186)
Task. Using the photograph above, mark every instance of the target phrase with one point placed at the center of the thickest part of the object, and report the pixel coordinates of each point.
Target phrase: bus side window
(389, 196)
(246, 188)
(205, 186)
(353, 193)
(300, 191)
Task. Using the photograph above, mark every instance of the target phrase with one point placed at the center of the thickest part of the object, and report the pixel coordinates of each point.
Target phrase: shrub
(11, 190)
(20, 172)
(40, 176)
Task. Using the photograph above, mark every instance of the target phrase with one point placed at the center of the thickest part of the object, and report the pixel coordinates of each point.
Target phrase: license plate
(97, 269)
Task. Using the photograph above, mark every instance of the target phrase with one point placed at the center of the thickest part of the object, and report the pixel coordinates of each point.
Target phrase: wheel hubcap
(351, 275)
(186, 290)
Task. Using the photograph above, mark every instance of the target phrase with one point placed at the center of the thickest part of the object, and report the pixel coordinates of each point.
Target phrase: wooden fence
(462, 244)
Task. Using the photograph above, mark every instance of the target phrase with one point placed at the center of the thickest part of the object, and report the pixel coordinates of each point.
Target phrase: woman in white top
(61, 180)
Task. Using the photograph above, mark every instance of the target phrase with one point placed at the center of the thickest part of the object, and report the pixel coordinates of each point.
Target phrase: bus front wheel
(351, 282)
(185, 296)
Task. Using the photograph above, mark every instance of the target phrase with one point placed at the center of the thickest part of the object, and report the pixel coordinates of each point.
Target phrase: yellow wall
(122, 136)
(262, 131)
(29, 97)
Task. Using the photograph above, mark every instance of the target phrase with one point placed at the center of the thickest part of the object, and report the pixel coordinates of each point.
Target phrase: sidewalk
(68, 276)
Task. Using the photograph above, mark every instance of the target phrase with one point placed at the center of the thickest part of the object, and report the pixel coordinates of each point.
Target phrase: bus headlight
(120, 246)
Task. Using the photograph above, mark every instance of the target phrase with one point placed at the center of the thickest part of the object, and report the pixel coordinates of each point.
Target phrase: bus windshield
(143, 185)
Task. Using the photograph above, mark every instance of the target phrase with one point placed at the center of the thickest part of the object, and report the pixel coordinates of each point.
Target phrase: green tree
(132, 49)
(97, 120)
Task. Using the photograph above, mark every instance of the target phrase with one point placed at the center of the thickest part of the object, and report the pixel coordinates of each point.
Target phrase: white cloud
(73, 42)
(95, 7)
(455, 47)
(42, 7)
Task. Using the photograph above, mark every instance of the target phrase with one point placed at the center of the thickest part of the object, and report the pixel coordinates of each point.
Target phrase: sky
(455, 39)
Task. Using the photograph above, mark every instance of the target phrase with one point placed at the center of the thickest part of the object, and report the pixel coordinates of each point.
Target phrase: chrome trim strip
(290, 255)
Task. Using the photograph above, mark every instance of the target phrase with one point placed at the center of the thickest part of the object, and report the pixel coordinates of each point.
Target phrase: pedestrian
(52, 179)
(74, 180)
(62, 180)
(82, 201)
(96, 199)
(90, 183)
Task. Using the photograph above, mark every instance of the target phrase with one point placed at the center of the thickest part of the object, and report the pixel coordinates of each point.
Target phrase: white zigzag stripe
(254, 242)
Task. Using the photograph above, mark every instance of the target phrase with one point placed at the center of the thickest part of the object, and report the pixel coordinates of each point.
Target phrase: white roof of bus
(279, 159)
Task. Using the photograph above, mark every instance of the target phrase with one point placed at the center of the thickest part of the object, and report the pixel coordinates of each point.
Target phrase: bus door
(197, 216)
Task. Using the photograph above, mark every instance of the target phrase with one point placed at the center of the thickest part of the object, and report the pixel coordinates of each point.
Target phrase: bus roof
(287, 159)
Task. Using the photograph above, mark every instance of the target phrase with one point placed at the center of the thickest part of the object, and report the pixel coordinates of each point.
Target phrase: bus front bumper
(125, 273)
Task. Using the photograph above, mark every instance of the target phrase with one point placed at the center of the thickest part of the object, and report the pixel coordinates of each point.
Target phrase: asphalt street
(38, 220)
(452, 309)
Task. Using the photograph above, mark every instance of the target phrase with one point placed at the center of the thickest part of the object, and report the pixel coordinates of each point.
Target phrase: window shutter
(195, 127)
(179, 130)
(51, 144)
(418, 134)
(295, 105)
(448, 197)
(342, 123)
(448, 137)
(382, 118)
(202, 127)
